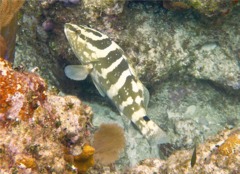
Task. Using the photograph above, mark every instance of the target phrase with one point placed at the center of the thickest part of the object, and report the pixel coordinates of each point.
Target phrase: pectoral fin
(77, 72)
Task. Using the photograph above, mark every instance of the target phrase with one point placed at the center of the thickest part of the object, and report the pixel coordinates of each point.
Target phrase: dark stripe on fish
(128, 111)
(100, 44)
(74, 29)
(124, 93)
(97, 33)
(107, 61)
(117, 72)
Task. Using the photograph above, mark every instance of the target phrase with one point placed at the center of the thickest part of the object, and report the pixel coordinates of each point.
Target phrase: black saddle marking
(146, 118)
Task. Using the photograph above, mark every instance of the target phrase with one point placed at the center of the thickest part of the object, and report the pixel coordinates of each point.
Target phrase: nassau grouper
(113, 76)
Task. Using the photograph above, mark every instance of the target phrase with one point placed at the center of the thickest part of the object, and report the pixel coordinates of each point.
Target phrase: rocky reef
(158, 42)
(187, 55)
(209, 8)
(39, 129)
(219, 154)
(109, 7)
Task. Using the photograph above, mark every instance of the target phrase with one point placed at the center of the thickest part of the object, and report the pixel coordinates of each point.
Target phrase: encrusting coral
(219, 154)
(26, 161)
(39, 127)
(83, 161)
(228, 147)
(36, 126)
(20, 93)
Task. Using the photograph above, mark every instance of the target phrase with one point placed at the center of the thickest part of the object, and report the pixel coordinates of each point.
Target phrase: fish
(113, 76)
(194, 156)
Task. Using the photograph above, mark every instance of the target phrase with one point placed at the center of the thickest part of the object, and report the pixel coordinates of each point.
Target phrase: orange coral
(20, 93)
(229, 145)
(26, 161)
(83, 161)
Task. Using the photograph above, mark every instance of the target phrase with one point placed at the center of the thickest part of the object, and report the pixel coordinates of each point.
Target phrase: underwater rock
(158, 43)
(208, 8)
(109, 7)
(212, 7)
(37, 125)
(213, 63)
(206, 51)
(210, 157)
(21, 93)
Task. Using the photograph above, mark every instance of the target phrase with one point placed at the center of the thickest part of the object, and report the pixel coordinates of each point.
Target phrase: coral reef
(83, 161)
(37, 126)
(210, 157)
(21, 93)
(189, 62)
